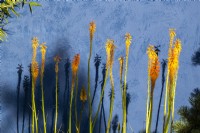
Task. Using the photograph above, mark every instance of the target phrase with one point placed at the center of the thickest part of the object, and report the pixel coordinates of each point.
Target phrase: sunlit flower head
(154, 65)
(110, 49)
(92, 29)
(83, 95)
(151, 52)
(75, 63)
(35, 43)
(128, 39)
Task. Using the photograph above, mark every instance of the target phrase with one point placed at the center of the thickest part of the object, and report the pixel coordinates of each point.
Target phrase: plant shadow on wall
(19, 103)
(196, 58)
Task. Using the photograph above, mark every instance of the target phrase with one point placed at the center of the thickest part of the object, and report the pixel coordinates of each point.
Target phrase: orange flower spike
(83, 95)
(75, 63)
(173, 65)
(92, 29)
(34, 70)
(154, 72)
(110, 47)
(57, 59)
(128, 39)
(43, 48)
(121, 62)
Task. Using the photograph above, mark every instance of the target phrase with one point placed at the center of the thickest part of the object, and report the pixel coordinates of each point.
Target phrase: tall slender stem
(89, 100)
(43, 108)
(56, 111)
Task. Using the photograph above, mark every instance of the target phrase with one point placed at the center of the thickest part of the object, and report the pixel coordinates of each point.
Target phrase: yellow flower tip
(34, 69)
(128, 39)
(83, 95)
(178, 46)
(75, 63)
(57, 59)
(43, 48)
(35, 43)
(151, 52)
(92, 28)
(121, 60)
(172, 33)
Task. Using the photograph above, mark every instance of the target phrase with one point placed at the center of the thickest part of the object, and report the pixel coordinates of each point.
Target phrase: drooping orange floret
(57, 59)
(110, 49)
(92, 29)
(154, 72)
(121, 63)
(34, 70)
(75, 64)
(128, 39)
(83, 95)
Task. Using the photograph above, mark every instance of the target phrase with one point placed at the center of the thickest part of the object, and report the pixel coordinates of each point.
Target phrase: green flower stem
(124, 99)
(70, 107)
(166, 98)
(89, 100)
(147, 104)
(75, 101)
(33, 97)
(56, 111)
(101, 97)
(111, 101)
(43, 109)
(34, 115)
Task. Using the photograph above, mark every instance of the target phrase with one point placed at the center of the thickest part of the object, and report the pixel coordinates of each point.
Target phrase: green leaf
(30, 7)
(34, 4)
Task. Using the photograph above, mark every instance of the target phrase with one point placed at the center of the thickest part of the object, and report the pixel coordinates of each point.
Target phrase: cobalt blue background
(64, 27)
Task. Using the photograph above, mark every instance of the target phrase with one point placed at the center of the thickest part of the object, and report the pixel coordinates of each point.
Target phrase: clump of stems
(57, 59)
(43, 52)
(153, 73)
(75, 66)
(172, 74)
